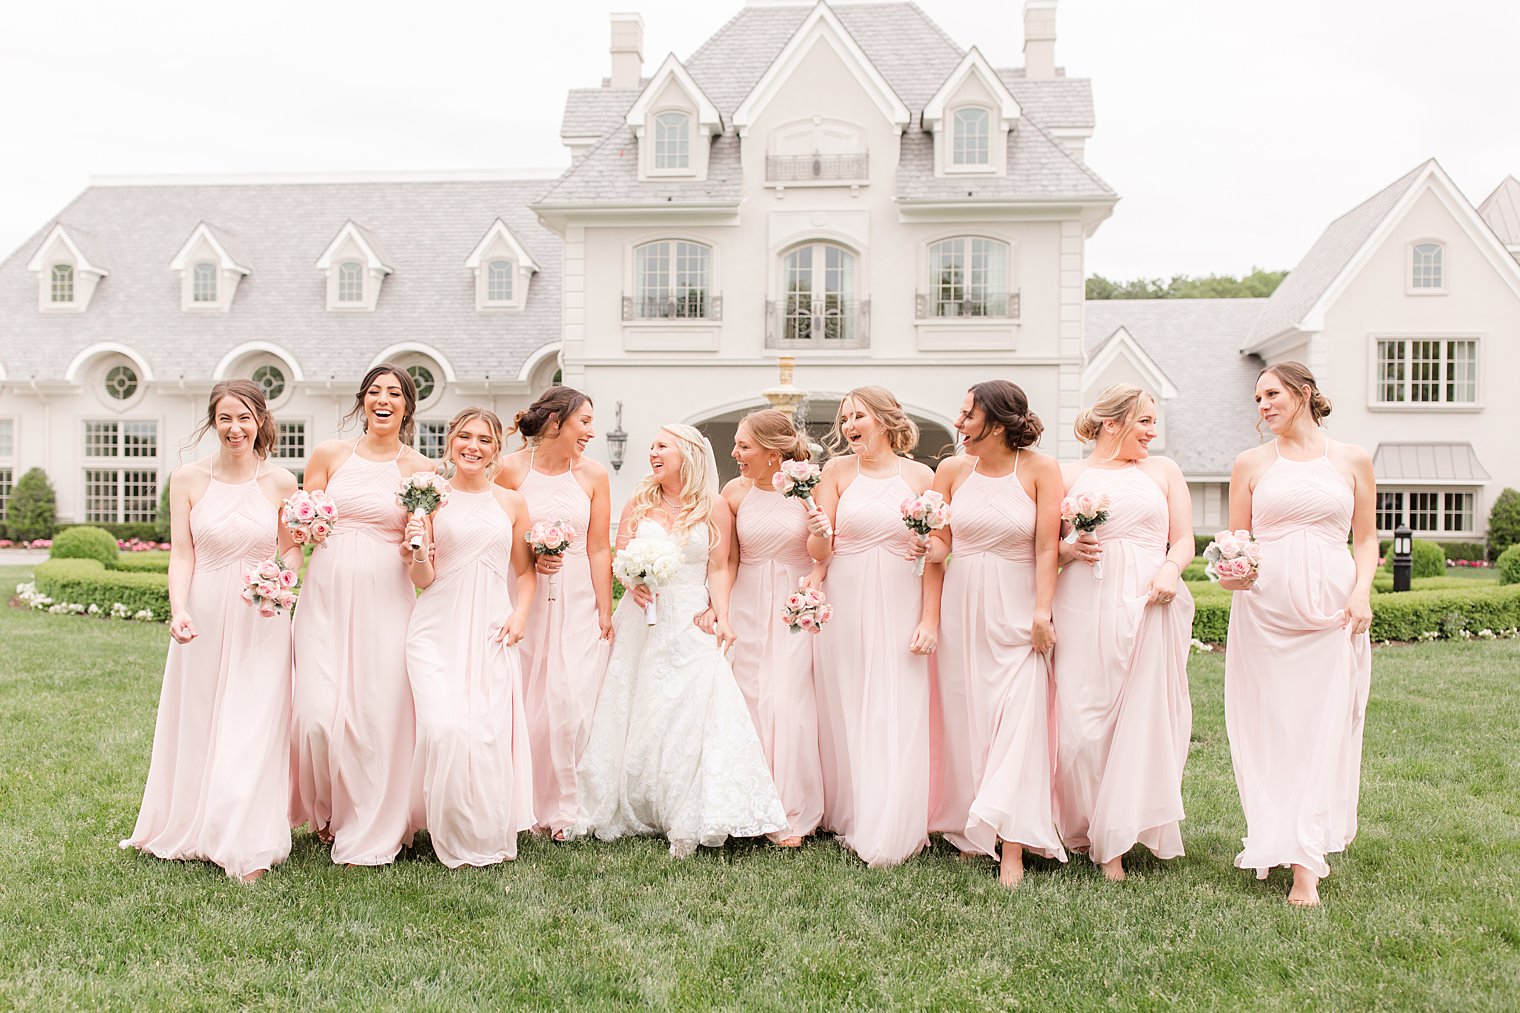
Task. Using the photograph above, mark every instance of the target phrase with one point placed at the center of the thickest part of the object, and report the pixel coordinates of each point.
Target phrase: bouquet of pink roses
(924, 513)
(1086, 512)
(1232, 554)
(797, 478)
(420, 494)
(269, 587)
(806, 610)
(550, 538)
(310, 516)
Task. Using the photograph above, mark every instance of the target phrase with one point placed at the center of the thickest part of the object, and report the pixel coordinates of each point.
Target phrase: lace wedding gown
(672, 748)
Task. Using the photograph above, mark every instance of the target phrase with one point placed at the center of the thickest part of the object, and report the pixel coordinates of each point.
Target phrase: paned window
(121, 439)
(971, 142)
(1426, 270)
(429, 440)
(423, 378)
(290, 440)
(203, 284)
(1456, 512)
(499, 281)
(1424, 510)
(1390, 509)
(121, 382)
(120, 496)
(1427, 371)
(820, 302)
(672, 279)
(271, 380)
(350, 281)
(968, 277)
(63, 283)
(1427, 511)
(7, 482)
(672, 141)
(7, 438)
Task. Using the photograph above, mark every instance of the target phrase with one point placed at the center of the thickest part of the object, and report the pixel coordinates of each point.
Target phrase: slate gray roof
(1039, 168)
(229, 242)
(426, 229)
(609, 174)
(1060, 102)
(1329, 255)
(1501, 210)
(1425, 462)
(1196, 343)
(591, 112)
(84, 240)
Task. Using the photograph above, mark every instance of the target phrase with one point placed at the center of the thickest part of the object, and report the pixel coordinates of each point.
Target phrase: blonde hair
(1296, 377)
(773, 429)
(696, 494)
(1120, 403)
(882, 405)
(458, 422)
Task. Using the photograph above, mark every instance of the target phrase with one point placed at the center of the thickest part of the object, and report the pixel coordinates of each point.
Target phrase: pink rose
(825, 613)
(247, 595)
(320, 531)
(287, 599)
(266, 611)
(265, 590)
(287, 578)
(806, 622)
(269, 570)
(1242, 535)
(304, 511)
(794, 600)
(1252, 551)
(813, 596)
(780, 482)
(1086, 505)
(299, 536)
(328, 510)
(1229, 548)
(1237, 567)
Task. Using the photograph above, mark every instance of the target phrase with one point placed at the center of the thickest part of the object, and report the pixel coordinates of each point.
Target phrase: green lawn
(1421, 913)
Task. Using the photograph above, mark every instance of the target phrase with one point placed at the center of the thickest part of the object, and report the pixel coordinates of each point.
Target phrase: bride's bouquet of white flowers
(652, 562)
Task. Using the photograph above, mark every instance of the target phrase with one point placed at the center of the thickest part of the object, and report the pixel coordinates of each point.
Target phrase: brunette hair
(408, 395)
(774, 430)
(252, 395)
(1120, 403)
(1004, 403)
(557, 403)
(881, 404)
(1297, 378)
(458, 422)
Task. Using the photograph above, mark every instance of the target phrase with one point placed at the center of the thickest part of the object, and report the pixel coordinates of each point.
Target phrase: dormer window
(971, 137)
(210, 269)
(351, 282)
(204, 283)
(672, 141)
(1427, 269)
(972, 116)
(68, 268)
(355, 270)
(673, 121)
(499, 281)
(503, 269)
(63, 283)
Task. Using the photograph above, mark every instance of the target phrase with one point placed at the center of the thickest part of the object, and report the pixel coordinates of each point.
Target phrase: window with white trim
(499, 280)
(971, 137)
(1439, 512)
(968, 277)
(7, 439)
(672, 141)
(7, 483)
(672, 279)
(423, 379)
(820, 305)
(1427, 267)
(350, 281)
(7, 452)
(271, 380)
(290, 440)
(121, 382)
(429, 439)
(62, 290)
(1427, 371)
(121, 493)
(203, 283)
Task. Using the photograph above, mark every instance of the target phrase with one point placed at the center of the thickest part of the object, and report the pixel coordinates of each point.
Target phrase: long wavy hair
(696, 494)
(882, 405)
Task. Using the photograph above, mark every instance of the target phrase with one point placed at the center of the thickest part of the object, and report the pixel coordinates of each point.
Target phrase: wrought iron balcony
(692, 304)
(800, 321)
(816, 168)
(937, 306)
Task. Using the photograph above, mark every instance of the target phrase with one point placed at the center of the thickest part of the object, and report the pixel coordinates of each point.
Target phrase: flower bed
(78, 584)
(36, 543)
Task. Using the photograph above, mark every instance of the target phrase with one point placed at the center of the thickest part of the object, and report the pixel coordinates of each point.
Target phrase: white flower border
(28, 595)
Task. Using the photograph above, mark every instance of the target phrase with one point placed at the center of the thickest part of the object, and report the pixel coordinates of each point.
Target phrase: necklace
(673, 508)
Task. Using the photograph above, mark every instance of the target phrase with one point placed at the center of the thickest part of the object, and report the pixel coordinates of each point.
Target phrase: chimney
(1039, 39)
(627, 50)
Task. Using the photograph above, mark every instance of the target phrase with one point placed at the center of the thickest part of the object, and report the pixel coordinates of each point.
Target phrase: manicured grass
(1421, 913)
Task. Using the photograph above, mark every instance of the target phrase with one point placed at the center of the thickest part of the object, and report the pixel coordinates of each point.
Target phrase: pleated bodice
(994, 515)
(869, 516)
(1302, 497)
(365, 493)
(558, 498)
(233, 524)
(772, 528)
(1138, 513)
(473, 530)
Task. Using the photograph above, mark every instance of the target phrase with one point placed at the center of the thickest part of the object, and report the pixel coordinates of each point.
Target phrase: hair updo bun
(773, 429)
(1120, 403)
(554, 405)
(1296, 377)
(1004, 403)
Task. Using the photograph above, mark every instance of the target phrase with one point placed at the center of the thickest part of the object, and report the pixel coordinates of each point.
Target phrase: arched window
(271, 380)
(672, 279)
(971, 137)
(203, 285)
(350, 281)
(819, 303)
(672, 141)
(968, 277)
(499, 281)
(422, 376)
(121, 383)
(1427, 270)
(63, 283)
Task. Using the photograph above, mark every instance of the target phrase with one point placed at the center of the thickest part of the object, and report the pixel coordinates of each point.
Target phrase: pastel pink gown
(873, 693)
(219, 781)
(1295, 681)
(472, 772)
(995, 692)
(354, 725)
(564, 658)
(773, 665)
(1122, 709)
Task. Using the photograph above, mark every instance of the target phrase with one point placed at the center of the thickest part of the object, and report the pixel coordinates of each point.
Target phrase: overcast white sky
(1234, 132)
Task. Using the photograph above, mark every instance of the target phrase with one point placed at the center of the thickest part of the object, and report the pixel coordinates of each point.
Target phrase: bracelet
(424, 558)
(1173, 562)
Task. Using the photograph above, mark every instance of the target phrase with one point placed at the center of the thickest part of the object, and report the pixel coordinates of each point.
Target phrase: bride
(672, 748)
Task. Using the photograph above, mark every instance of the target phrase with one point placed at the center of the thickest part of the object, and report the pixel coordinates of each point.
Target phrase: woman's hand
(925, 639)
(917, 548)
(725, 635)
(706, 620)
(1239, 583)
(1042, 635)
(604, 622)
(818, 523)
(641, 594)
(547, 564)
(1084, 550)
(1163, 587)
(1357, 615)
(182, 629)
(511, 631)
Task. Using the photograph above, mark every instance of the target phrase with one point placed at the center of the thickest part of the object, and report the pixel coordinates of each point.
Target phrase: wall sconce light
(617, 441)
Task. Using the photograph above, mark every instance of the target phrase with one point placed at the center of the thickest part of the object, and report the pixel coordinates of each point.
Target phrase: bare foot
(559, 836)
(325, 834)
(1011, 874)
(789, 842)
(1113, 869)
(255, 876)
(1305, 892)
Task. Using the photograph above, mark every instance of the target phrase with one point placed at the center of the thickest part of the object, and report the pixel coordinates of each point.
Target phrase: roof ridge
(1070, 157)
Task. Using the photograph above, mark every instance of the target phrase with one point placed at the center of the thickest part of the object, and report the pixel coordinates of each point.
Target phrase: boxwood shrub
(1509, 565)
(85, 542)
(87, 582)
(142, 562)
(1428, 559)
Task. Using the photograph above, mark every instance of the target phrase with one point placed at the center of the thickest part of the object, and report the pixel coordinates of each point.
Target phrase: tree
(33, 511)
(1504, 523)
(1259, 284)
(161, 523)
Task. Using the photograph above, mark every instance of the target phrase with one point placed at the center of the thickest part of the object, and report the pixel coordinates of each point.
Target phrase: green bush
(87, 582)
(1211, 612)
(1194, 572)
(1382, 583)
(1509, 565)
(33, 509)
(1503, 523)
(1429, 559)
(141, 562)
(161, 527)
(1471, 551)
(85, 542)
(1445, 611)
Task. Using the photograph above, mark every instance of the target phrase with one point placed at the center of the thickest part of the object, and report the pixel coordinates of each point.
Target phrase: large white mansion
(839, 183)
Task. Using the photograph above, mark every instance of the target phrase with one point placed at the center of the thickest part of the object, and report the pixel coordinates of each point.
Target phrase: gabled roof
(219, 240)
(499, 230)
(708, 116)
(1501, 210)
(351, 230)
(973, 64)
(1121, 342)
(822, 24)
(82, 245)
(591, 112)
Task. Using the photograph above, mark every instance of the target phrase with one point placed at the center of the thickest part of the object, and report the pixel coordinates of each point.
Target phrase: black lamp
(617, 441)
(1403, 557)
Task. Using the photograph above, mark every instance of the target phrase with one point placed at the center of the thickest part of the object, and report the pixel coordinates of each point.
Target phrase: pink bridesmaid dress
(472, 773)
(773, 665)
(873, 693)
(354, 722)
(1295, 681)
(563, 656)
(1122, 710)
(219, 781)
(995, 693)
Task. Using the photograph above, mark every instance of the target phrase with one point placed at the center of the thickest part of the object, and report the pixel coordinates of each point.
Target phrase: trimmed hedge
(84, 542)
(140, 530)
(141, 562)
(1427, 558)
(1504, 523)
(1471, 551)
(1509, 565)
(87, 582)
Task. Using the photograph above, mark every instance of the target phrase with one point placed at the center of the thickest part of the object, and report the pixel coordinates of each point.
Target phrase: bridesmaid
(996, 635)
(564, 649)
(471, 775)
(1122, 707)
(873, 660)
(769, 559)
(219, 781)
(354, 720)
(1298, 662)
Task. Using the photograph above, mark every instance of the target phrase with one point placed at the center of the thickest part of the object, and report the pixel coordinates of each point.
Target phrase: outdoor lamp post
(1403, 557)
(617, 441)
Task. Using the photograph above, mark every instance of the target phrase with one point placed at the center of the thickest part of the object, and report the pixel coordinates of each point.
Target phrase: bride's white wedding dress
(672, 749)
